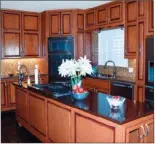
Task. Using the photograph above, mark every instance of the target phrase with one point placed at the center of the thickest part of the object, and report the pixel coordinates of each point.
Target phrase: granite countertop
(97, 104)
(16, 76)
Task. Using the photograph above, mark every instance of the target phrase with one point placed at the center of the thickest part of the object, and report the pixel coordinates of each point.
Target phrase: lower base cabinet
(52, 121)
(89, 130)
(58, 123)
(37, 113)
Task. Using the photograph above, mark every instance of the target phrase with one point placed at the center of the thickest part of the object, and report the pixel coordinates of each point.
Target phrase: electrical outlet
(130, 70)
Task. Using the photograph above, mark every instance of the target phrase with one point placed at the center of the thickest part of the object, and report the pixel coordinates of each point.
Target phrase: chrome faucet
(21, 75)
(114, 72)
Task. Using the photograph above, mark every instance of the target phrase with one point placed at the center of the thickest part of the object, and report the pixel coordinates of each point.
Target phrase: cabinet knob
(141, 136)
(147, 130)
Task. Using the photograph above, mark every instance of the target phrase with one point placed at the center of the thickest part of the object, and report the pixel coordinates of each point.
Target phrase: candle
(18, 65)
(36, 74)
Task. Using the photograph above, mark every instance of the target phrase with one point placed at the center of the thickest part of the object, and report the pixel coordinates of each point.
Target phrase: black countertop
(97, 104)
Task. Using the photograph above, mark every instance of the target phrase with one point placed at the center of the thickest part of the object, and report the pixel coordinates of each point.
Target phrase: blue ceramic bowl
(80, 96)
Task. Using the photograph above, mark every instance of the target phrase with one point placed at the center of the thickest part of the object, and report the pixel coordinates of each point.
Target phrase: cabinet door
(90, 18)
(11, 94)
(131, 10)
(59, 123)
(22, 104)
(31, 22)
(11, 46)
(80, 22)
(80, 44)
(141, 53)
(102, 15)
(134, 134)
(66, 23)
(139, 92)
(3, 94)
(149, 127)
(90, 130)
(37, 113)
(54, 24)
(131, 40)
(141, 9)
(31, 47)
(11, 21)
(116, 13)
(150, 17)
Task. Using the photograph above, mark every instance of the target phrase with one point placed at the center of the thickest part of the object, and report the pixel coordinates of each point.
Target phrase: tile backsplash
(121, 71)
(10, 65)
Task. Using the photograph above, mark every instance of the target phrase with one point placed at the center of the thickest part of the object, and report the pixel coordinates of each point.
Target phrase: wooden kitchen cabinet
(106, 15)
(31, 33)
(80, 44)
(58, 123)
(140, 78)
(115, 12)
(131, 40)
(90, 18)
(3, 94)
(80, 21)
(150, 17)
(131, 11)
(149, 127)
(141, 133)
(22, 109)
(20, 34)
(8, 100)
(37, 116)
(97, 85)
(102, 15)
(60, 23)
(134, 134)
(90, 130)
(139, 92)
(11, 34)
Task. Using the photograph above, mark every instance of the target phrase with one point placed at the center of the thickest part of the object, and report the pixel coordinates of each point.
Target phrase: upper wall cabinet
(60, 23)
(105, 15)
(31, 34)
(150, 17)
(134, 11)
(11, 34)
(20, 34)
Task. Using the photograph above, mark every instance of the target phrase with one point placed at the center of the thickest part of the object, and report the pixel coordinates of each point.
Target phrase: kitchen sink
(104, 76)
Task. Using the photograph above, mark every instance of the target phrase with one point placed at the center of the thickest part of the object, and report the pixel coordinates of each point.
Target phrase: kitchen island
(64, 119)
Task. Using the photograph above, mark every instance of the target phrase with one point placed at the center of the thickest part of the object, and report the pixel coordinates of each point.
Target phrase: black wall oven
(149, 85)
(59, 48)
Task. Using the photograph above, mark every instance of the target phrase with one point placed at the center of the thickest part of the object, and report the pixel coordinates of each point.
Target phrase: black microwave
(149, 61)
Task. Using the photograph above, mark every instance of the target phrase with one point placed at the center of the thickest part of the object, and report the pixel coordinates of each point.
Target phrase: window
(111, 47)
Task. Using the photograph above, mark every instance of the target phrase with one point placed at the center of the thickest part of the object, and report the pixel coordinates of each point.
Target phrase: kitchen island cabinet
(90, 120)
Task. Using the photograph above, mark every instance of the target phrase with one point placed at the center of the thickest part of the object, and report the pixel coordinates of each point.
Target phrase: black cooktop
(57, 89)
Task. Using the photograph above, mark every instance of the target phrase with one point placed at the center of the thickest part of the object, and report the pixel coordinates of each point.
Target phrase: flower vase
(77, 80)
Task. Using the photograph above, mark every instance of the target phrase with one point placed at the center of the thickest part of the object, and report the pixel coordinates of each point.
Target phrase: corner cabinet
(141, 133)
(20, 34)
(107, 15)
(60, 23)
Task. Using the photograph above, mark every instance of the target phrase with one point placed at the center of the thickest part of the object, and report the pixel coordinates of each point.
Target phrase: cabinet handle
(140, 49)
(5, 84)
(141, 136)
(147, 130)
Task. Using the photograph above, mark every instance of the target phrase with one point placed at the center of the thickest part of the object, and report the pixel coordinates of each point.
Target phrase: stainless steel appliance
(123, 89)
(59, 48)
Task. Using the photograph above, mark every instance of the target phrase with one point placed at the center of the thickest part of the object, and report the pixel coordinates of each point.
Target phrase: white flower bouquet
(75, 69)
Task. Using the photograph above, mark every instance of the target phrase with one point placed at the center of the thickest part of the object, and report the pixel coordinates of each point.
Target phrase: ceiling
(39, 6)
